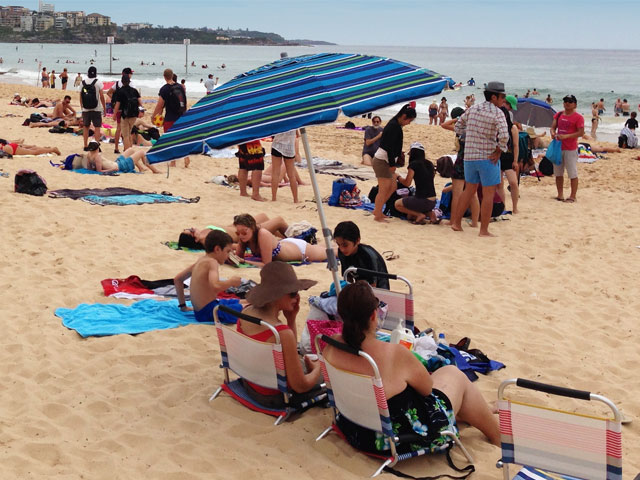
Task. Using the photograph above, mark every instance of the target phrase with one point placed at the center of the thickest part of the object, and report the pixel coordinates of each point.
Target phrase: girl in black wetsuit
(418, 401)
(388, 156)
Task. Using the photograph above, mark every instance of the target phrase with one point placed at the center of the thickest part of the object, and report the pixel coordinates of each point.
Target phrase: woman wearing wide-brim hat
(278, 292)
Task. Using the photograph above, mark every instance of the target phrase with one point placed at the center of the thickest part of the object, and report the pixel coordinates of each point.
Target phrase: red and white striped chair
(556, 444)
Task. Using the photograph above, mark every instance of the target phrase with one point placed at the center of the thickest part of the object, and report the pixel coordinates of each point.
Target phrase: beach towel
(338, 169)
(98, 319)
(140, 199)
(83, 192)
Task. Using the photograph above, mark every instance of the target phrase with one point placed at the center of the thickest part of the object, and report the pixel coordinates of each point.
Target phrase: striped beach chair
(261, 363)
(553, 444)
(399, 304)
(362, 400)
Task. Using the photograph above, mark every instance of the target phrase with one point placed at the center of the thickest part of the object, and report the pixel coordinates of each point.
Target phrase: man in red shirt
(567, 127)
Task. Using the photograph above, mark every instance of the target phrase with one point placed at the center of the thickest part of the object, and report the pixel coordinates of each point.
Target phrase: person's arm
(72, 110)
(370, 141)
(221, 285)
(291, 316)
(503, 133)
(178, 282)
(104, 106)
(265, 242)
(158, 110)
(116, 107)
(299, 381)
(406, 181)
(450, 125)
(554, 126)
(461, 125)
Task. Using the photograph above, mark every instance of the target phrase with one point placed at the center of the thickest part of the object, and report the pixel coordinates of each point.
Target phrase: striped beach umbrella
(293, 93)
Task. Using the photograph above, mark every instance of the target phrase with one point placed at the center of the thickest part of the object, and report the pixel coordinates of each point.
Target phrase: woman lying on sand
(17, 147)
(268, 247)
(417, 401)
(127, 162)
(194, 238)
(278, 292)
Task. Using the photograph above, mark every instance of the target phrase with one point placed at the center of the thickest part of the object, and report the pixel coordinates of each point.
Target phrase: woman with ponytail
(418, 402)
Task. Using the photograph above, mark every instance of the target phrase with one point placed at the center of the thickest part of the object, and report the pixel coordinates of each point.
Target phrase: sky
(588, 24)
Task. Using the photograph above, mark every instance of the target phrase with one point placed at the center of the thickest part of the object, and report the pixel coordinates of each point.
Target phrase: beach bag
(29, 182)
(338, 187)
(351, 198)
(88, 94)
(554, 152)
(445, 202)
(323, 327)
(177, 101)
(545, 167)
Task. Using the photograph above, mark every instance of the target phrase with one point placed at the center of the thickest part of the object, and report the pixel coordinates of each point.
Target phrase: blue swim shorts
(482, 171)
(125, 165)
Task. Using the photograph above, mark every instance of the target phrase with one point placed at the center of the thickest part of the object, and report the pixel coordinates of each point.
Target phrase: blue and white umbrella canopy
(533, 112)
(292, 93)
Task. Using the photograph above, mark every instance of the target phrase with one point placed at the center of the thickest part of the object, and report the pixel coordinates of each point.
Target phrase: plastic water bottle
(441, 339)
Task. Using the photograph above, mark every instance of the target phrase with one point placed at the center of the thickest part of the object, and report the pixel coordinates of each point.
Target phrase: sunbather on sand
(268, 247)
(414, 396)
(278, 292)
(17, 147)
(194, 238)
(205, 279)
(125, 163)
(284, 178)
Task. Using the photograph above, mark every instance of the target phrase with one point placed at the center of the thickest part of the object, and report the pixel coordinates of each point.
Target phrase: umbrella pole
(332, 263)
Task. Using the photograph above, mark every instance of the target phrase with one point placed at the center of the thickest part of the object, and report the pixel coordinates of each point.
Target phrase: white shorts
(570, 162)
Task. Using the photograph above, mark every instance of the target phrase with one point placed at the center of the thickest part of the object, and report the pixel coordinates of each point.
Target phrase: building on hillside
(97, 19)
(43, 22)
(60, 22)
(74, 19)
(10, 16)
(45, 7)
(136, 26)
(27, 23)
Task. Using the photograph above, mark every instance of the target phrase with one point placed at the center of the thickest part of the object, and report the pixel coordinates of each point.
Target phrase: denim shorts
(482, 171)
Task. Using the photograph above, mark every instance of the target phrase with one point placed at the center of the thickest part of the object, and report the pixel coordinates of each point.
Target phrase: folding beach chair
(399, 304)
(261, 363)
(555, 444)
(362, 400)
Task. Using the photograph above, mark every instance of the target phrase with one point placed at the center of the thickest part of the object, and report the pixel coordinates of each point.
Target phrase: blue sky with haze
(480, 23)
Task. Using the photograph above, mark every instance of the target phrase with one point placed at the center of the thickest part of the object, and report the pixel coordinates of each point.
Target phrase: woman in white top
(284, 148)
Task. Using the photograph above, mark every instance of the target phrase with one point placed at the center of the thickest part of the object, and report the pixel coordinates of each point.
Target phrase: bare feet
(258, 198)
(245, 194)
(570, 200)
(486, 234)
(420, 220)
(56, 150)
(381, 219)
(456, 228)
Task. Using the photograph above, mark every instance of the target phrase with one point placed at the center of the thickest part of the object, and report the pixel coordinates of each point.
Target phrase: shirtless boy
(205, 280)
(125, 163)
(62, 111)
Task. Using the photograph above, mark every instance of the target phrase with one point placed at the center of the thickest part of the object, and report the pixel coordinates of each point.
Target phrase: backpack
(29, 182)
(545, 167)
(35, 117)
(88, 94)
(176, 101)
(130, 107)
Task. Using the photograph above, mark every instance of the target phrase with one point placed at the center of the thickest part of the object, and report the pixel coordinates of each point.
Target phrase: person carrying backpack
(173, 100)
(118, 115)
(92, 104)
(128, 105)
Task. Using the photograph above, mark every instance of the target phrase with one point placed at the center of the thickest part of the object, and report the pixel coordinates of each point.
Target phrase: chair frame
(381, 399)
(558, 391)
(281, 374)
(408, 318)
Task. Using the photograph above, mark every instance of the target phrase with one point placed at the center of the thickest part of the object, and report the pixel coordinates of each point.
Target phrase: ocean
(588, 74)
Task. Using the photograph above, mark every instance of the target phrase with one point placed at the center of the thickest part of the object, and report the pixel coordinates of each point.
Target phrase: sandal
(390, 255)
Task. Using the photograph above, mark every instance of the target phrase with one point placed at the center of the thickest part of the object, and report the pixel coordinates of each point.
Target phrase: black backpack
(545, 167)
(29, 182)
(88, 94)
(130, 105)
(176, 102)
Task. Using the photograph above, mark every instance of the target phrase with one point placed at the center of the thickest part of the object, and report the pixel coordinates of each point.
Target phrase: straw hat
(532, 132)
(276, 279)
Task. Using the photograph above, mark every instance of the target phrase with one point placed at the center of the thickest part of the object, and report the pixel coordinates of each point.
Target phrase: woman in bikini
(17, 147)
(266, 246)
(278, 293)
(194, 238)
(443, 110)
(416, 399)
(595, 119)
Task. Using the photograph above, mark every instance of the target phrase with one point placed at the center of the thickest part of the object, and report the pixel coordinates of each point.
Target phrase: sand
(553, 297)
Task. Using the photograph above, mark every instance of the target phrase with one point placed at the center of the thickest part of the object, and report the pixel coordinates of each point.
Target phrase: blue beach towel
(100, 319)
(134, 199)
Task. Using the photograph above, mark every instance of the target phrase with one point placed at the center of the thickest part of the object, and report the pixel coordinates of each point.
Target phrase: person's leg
(456, 192)
(243, 175)
(256, 181)
(571, 161)
(275, 225)
(366, 159)
(293, 177)
(463, 203)
(36, 150)
(276, 164)
(385, 188)
(468, 403)
(316, 253)
(415, 216)
(116, 137)
(500, 188)
(485, 210)
(560, 187)
(474, 204)
(512, 178)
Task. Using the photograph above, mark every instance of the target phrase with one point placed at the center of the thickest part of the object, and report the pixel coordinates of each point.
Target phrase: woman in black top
(421, 171)
(388, 156)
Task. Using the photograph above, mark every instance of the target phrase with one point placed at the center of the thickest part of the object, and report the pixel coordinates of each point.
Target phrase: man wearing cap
(118, 114)
(126, 98)
(92, 115)
(567, 127)
(486, 135)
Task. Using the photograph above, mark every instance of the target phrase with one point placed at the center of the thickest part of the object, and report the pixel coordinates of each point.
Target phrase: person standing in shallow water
(388, 156)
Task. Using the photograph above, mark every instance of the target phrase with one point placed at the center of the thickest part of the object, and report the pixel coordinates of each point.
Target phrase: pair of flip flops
(390, 255)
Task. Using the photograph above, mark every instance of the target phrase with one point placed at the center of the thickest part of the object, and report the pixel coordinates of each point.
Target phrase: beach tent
(294, 93)
(534, 112)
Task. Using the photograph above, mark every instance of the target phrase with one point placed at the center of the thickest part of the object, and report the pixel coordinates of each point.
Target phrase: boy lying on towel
(125, 163)
(205, 280)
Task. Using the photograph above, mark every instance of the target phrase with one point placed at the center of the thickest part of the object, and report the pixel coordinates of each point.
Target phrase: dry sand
(553, 297)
